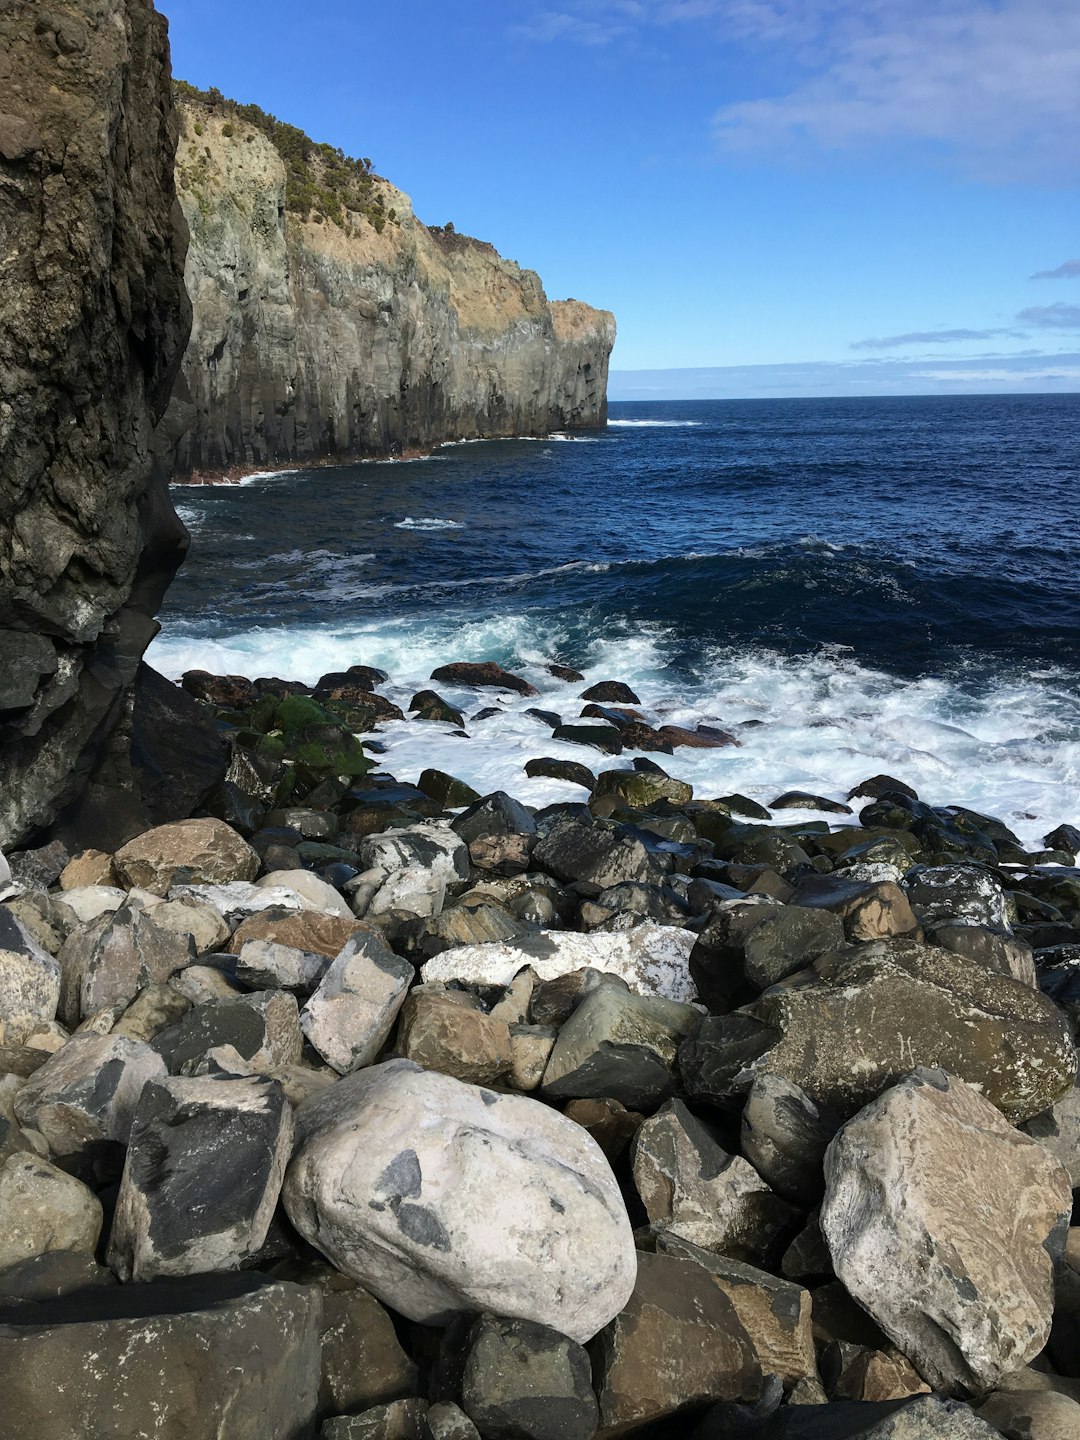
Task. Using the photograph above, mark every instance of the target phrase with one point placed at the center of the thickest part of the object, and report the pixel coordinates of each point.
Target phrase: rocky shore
(360, 1108)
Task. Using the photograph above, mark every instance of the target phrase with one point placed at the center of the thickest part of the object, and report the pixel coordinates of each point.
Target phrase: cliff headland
(330, 322)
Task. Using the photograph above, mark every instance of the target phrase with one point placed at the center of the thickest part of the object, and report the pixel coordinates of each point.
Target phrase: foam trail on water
(823, 723)
(653, 424)
(430, 524)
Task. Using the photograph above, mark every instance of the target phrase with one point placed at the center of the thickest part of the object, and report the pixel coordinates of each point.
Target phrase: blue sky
(869, 185)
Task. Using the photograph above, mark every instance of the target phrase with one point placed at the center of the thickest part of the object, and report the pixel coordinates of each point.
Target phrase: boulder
(677, 1344)
(154, 1009)
(447, 1421)
(610, 1124)
(1002, 954)
(265, 965)
(803, 800)
(652, 959)
(352, 1012)
(29, 982)
(43, 1209)
(215, 1357)
(867, 1017)
(775, 1314)
(639, 790)
(263, 1027)
(417, 863)
(317, 894)
(441, 1197)
(483, 673)
(1058, 1131)
(449, 1031)
(596, 857)
(523, 1381)
(363, 1363)
(495, 814)
(190, 915)
(611, 692)
(109, 961)
(398, 1420)
(957, 1272)
(202, 1176)
(92, 901)
(1032, 1415)
(692, 1188)
(604, 738)
(306, 930)
(870, 910)
(940, 894)
(86, 1093)
(89, 867)
(785, 1136)
(619, 1045)
(193, 851)
(547, 768)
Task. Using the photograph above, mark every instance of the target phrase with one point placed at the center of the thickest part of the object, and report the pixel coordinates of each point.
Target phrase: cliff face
(93, 323)
(314, 340)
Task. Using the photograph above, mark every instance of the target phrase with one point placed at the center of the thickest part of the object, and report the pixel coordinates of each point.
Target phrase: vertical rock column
(93, 324)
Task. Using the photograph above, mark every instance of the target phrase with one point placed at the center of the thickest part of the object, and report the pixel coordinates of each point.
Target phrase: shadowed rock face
(93, 323)
(310, 341)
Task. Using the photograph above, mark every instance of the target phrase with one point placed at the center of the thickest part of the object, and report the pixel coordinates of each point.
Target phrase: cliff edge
(329, 321)
(93, 323)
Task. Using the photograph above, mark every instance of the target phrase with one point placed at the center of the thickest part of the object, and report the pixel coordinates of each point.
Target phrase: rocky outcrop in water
(93, 322)
(368, 333)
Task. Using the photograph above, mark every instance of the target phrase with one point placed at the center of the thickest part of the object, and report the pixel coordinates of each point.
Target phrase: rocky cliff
(93, 322)
(347, 326)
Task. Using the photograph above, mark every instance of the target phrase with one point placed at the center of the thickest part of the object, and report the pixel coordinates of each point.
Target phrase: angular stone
(110, 960)
(1001, 954)
(264, 1027)
(399, 1420)
(524, 1381)
(692, 1188)
(638, 790)
(620, 1045)
(856, 1372)
(202, 1176)
(874, 1014)
(447, 1421)
(785, 1136)
(363, 1362)
(869, 911)
(678, 1343)
(441, 1197)
(1032, 1415)
(611, 1125)
(153, 1010)
(419, 862)
(652, 959)
(774, 1313)
(92, 901)
(204, 985)
(940, 894)
(1058, 1131)
(42, 1209)
(29, 982)
(188, 851)
(98, 1364)
(264, 965)
(86, 1094)
(483, 673)
(494, 814)
(316, 893)
(530, 1051)
(595, 858)
(188, 915)
(957, 1272)
(449, 1032)
(306, 930)
(352, 1012)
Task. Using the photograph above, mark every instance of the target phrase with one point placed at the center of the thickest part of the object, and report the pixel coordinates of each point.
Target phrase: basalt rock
(310, 339)
(93, 321)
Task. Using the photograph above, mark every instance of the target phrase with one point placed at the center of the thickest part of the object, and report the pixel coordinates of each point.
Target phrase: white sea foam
(432, 524)
(821, 724)
(655, 424)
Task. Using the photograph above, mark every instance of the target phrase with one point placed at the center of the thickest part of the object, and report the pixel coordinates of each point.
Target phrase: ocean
(852, 586)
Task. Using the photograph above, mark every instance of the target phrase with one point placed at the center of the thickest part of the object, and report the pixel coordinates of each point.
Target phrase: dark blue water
(922, 533)
(706, 548)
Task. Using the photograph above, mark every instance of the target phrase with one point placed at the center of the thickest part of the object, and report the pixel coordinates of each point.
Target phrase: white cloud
(1000, 376)
(1070, 270)
(1058, 316)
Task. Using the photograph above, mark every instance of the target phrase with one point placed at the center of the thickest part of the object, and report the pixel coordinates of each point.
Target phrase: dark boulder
(483, 673)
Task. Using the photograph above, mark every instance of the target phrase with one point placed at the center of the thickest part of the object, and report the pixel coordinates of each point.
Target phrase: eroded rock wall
(93, 323)
(313, 341)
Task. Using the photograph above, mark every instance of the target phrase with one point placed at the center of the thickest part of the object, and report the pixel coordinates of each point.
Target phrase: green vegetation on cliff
(321, 181)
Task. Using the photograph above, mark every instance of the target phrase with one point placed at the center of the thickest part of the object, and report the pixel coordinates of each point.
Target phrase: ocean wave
(655, 424)
(431, 524)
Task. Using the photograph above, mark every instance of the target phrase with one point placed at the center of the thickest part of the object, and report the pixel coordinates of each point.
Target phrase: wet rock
(86, 1093)
(611, 692)
(692, 1188)
(785, 1136)
(871, 1015)
(760, 944)
(1065, 837)
(523, 1381)
(428, 705)
(704, 737)
(483, 673)
(878, 785)
(595, 857)
(604, 738)
(638, 790)
(42, 1209)
(202, 1176)
(620, 1045)
(29, 982)
(459, 926)
(169, 1351)
(440, 1197)
(446, 790)
(774, 1313)
(652, 959)
(448, 1031)
(677, 1344)
(227, 692)
(544, 767)
(264, 1028)
(965, 1290)
(494, 814)
(940, 894)
(803, 800)
(352, 1012)
(1003, 954)
(869, 911)
(191, 851)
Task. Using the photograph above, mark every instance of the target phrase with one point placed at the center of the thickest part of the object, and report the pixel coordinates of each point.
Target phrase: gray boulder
(353, 1011)
(42, 1209)
(523, 1381)
(29, 982)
